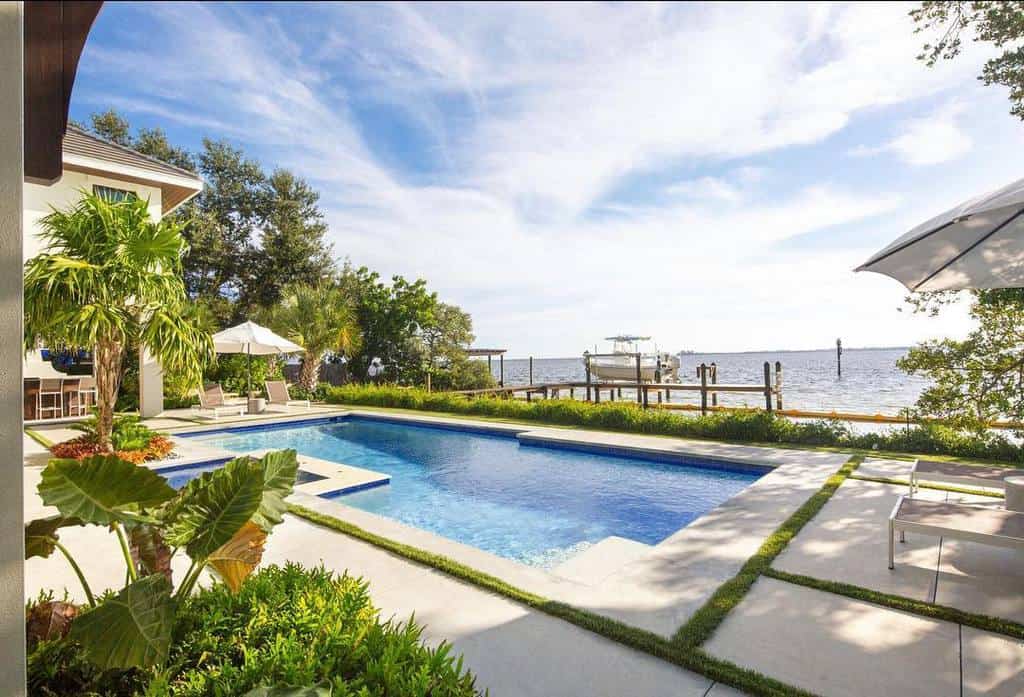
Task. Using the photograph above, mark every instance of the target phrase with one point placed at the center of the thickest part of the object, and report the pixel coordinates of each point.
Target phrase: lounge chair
(953, 473)
(277, 395)
(988, 526)
(211, 399)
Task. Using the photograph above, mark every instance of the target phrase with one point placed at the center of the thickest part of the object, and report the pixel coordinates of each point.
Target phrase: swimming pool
(537, 505)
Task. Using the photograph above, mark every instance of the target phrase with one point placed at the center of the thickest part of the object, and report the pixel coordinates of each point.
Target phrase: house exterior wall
(12, 536)
(39, 200)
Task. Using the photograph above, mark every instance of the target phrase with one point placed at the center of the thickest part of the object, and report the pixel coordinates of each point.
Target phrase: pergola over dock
(490, 353)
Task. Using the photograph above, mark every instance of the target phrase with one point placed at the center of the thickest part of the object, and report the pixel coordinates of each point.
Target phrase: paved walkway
(513, 650)
(836, 646)
(826, 643)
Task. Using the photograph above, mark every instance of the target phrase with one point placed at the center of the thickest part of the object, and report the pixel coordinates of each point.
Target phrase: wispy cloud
(496, 148)
(931, 140)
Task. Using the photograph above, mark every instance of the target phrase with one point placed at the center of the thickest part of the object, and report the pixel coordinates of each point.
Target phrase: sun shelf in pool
(538, 505)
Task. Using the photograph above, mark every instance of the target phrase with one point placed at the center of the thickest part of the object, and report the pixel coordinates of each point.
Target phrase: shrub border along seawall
(740, 427)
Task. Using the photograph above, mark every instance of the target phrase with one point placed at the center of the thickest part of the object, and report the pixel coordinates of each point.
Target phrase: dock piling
(639, 381)
(778, 385)
(703, 389)
(767, 386)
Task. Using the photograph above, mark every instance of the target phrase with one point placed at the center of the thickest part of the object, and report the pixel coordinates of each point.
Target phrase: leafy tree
(249, 233)
(998, 23)
(443, 338)
(221, 225)
(111, 276)
(388, 315)
(981, 378)
(319, 318)
(113, 127)
(153, 142)
(149, 141)
(293, 248)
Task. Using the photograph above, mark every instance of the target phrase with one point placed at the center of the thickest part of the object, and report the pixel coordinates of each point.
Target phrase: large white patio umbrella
(978, 244)
(253, 340)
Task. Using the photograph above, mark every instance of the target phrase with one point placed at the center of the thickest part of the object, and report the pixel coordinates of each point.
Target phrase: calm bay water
(871, 382)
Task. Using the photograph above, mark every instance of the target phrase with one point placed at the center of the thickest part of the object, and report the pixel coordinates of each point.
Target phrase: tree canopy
(981, 378)
(258, 244)
(998, 23)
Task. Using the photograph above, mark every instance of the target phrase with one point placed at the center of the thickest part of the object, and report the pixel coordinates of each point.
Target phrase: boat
(620, 363)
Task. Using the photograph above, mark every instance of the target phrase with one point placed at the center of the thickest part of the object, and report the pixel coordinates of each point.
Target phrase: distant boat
(620, 363)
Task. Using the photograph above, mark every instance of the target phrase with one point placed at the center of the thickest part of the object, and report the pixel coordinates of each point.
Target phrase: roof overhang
(175, 190)
(55, 34)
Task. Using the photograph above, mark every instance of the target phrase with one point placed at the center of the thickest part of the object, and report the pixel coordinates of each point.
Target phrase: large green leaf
(213, 507)
(131, 629)
(102, 489)
(41, 535)
(322, 690)
(280, 468)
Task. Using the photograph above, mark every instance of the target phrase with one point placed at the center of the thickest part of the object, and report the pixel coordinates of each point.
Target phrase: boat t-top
(620, 363)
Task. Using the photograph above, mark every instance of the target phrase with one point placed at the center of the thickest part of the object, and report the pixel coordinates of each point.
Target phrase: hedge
(738, 426)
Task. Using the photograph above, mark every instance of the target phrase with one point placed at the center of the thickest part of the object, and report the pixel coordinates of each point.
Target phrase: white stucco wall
(12, 536)
(39, 199)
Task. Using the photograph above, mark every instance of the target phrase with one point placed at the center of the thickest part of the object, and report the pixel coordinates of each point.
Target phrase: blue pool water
(538, 505)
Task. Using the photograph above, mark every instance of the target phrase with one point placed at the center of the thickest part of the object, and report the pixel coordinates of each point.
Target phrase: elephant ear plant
(220, 520)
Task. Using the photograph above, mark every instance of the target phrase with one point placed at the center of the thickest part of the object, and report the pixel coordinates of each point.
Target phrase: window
(111, 194)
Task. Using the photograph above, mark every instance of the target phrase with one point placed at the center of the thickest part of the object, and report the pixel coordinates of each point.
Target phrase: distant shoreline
(732, 353)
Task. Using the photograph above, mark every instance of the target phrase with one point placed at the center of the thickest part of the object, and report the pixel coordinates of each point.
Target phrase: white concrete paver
(836, 646)
(993, 664)
(847, 542)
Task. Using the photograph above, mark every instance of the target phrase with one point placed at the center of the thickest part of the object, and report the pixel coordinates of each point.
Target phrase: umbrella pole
(248, 371)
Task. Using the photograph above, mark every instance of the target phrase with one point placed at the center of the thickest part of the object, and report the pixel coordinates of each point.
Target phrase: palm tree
(319, 318)
(111, 275)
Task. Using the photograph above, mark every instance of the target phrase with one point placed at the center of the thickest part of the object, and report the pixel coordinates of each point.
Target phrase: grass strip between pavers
(689, 657)
(936, 487)
(39, 438)
(899, 602)
(702, 625)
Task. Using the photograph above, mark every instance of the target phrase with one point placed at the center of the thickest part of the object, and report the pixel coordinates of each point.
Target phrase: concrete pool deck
(857, 648)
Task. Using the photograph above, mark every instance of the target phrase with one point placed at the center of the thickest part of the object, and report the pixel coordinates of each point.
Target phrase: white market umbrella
(978, 244)
(253, 340)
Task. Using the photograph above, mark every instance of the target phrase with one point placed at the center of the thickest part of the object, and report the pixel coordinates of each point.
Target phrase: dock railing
(707, 386)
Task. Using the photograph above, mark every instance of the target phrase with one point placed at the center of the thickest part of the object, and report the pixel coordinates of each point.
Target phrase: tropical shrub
(741, 426)
(131, 440)
(231, 371)
(297, 391)
(285, 626)
(220, 520)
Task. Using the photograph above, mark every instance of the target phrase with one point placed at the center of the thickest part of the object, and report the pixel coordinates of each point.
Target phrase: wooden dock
(708, 388)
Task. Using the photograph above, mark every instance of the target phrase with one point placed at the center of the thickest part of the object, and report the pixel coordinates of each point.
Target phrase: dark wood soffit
(55, 34)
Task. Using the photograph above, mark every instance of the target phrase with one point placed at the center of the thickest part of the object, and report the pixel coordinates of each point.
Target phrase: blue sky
(707, 174)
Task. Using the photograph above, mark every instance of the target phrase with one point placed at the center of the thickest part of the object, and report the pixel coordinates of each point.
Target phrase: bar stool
(50, 387)
(86, 387)
(70, 400)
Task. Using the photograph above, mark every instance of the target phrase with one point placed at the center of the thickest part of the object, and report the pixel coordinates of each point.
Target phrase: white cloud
(932, 140)
(713, 188)
(540, 114)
